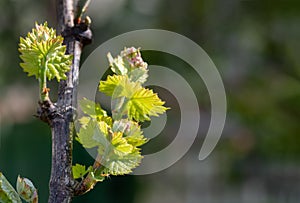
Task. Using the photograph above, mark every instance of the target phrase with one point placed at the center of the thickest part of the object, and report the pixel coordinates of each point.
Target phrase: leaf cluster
(118, 138)
(43, 49)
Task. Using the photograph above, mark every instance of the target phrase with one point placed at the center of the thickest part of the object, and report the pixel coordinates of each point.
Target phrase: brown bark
(60, 115)
(61, 171)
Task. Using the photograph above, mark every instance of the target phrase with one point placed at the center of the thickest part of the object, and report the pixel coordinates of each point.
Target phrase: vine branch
(61, 114)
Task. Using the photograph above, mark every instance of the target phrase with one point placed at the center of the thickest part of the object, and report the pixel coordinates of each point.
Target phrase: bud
(26, 190)
(134, 57)
(7, 192)
(87, 20)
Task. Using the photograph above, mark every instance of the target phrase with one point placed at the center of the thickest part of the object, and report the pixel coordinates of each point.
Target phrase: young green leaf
(100, 173)
(113, 147)
(116, 86)
(79, 171)
(98, 177)
(144, 103)
(140, 103)
(120, 157)
(129, 63)
(91, 108)
(93, 134)
(120, 165)
(43, 56)
(117, 64)
(120, 144)
(43, 49)
(131, 130)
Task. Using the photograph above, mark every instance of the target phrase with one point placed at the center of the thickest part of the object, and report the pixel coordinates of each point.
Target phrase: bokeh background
(255, 46)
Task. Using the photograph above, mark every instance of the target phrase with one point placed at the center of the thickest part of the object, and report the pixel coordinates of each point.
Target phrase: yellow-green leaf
(79, 171)
(43, 49)
(129, 63)
(91, 108)
(145, 103)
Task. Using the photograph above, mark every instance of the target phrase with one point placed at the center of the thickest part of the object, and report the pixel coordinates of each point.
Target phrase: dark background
(255, 46)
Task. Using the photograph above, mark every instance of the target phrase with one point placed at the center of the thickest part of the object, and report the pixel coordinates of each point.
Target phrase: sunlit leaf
(138, 75)
(119, 165)
(144, 103)
(138, 103)
(43, 49)
(131, 130)
(116, 86)
(120, 144)
(93, 134)
(117, 64)
(91, 108)
(84, 121)
(79, 171)
(129, 63)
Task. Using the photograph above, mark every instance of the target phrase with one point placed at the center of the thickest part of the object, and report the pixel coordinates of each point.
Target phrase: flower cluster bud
(134, 57)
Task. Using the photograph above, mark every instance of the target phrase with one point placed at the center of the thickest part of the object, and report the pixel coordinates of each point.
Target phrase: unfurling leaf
(98, 177)
(129, 63)
(131, 130)
(42, 51)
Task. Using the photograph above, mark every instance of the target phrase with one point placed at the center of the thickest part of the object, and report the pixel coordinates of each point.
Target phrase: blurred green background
(255, 46)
